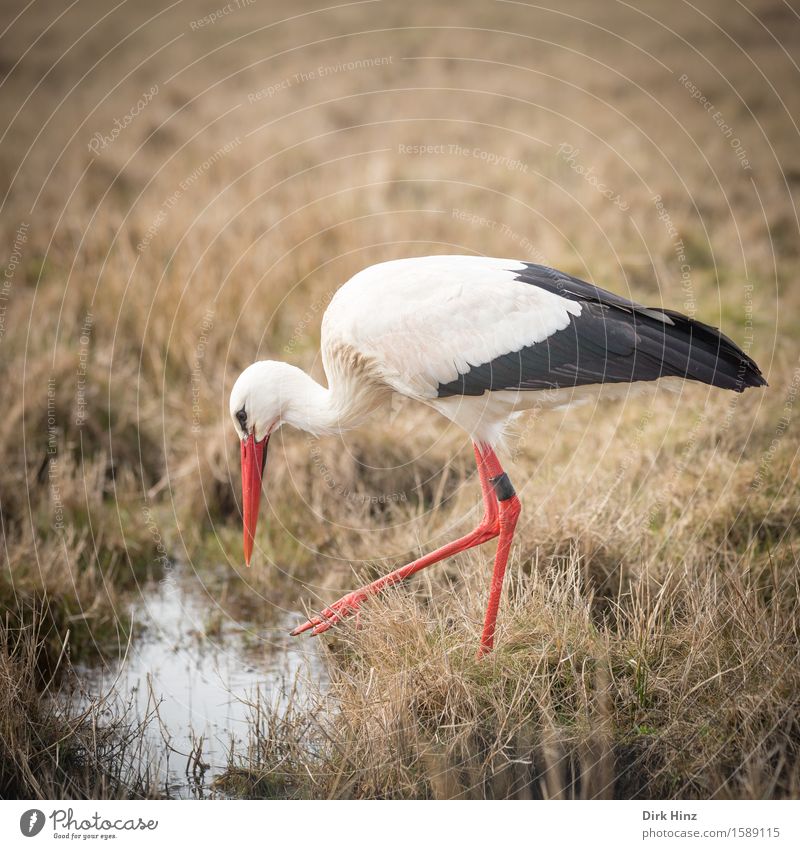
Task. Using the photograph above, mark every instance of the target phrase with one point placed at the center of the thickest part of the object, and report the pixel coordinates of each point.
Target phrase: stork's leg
(509, 508)
(489, 528)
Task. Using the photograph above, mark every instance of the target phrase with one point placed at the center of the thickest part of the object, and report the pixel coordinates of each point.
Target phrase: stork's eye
(241, 417)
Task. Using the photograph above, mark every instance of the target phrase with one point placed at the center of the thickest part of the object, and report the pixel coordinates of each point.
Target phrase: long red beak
(254, 458)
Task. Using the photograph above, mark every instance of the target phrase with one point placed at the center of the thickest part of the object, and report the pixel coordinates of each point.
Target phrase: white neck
(311, 407)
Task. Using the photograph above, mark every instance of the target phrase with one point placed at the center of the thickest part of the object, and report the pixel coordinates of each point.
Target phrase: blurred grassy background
(185, 186)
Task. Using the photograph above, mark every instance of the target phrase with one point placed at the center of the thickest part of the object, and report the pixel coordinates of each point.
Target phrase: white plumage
(425, 321)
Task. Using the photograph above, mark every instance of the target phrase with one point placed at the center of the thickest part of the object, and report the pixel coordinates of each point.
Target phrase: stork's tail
(701, 352)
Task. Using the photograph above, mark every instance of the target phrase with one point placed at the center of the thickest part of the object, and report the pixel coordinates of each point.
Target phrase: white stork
(479, 340)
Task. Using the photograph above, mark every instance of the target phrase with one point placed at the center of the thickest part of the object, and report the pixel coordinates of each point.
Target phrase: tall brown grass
(53, 746)
(646, 674)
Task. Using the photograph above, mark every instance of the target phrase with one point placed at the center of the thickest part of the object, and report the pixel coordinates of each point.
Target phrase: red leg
(489, 528)
(509, 507)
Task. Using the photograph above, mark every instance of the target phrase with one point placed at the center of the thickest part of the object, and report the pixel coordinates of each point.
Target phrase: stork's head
(258, 401)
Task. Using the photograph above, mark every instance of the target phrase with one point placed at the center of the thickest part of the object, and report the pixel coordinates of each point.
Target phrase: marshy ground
(184, 190)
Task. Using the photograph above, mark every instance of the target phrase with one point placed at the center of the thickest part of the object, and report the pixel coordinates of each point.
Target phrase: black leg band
(503, 488)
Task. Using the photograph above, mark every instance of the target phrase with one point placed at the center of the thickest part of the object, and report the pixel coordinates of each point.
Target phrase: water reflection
(194, 673)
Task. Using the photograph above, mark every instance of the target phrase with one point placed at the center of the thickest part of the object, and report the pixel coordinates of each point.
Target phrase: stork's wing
(612, 340)
(443, 326)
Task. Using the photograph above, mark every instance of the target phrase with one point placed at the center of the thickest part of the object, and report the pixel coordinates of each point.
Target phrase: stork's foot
(346, 606)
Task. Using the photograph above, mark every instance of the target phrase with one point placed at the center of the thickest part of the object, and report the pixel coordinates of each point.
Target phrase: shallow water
(201, 685)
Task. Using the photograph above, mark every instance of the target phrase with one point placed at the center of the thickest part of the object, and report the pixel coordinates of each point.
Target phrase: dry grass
(52, 748)
(648, 642)
(628, 674)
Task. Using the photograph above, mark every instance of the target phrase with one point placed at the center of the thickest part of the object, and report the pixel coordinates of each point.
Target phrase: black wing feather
(613, 340)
